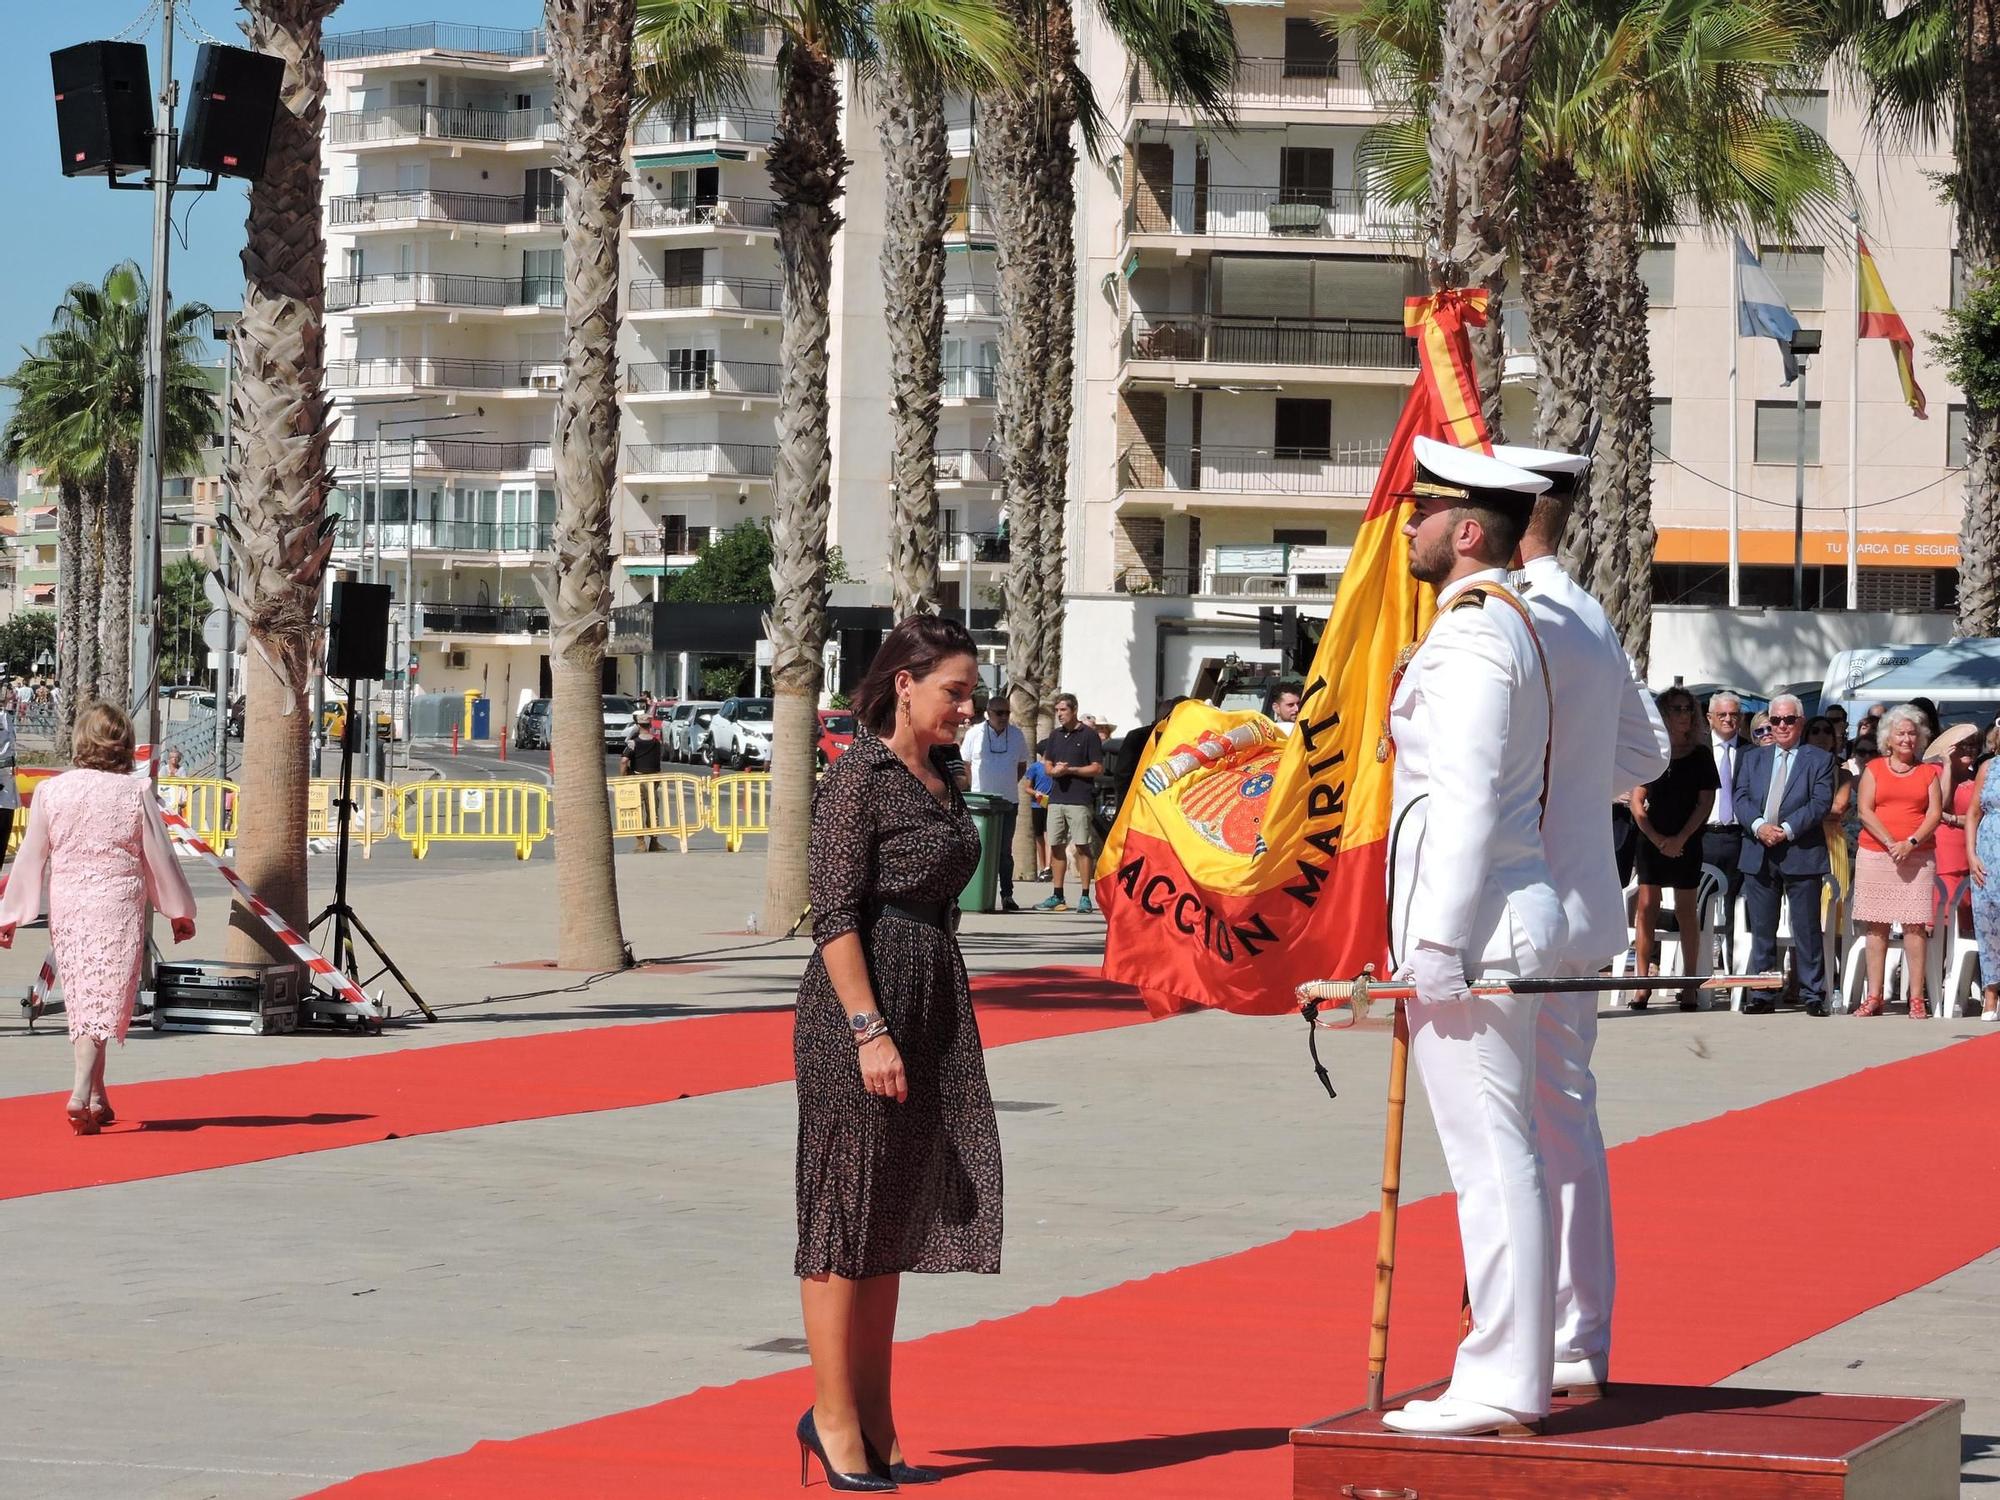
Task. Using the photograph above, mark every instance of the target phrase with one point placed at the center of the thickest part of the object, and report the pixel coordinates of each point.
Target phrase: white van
(1850, 672)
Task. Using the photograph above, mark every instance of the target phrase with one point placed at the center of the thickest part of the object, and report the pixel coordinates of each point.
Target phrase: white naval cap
(1447, 471)
(1542, 460)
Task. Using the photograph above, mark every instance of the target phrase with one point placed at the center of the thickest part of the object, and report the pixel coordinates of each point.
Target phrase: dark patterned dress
(882, 1186)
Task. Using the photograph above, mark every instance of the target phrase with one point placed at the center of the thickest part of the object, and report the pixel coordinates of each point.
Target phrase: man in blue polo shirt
(1073, 755)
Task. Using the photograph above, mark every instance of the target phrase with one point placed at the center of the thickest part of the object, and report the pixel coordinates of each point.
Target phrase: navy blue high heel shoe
(899, 1471)
(810, 1447)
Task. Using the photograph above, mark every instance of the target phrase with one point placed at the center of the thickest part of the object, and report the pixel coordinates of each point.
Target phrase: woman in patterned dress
(1982, 837)
(95, 832)
(898, 1148)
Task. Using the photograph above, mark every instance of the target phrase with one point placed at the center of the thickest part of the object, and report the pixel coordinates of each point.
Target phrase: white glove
(1437, 973)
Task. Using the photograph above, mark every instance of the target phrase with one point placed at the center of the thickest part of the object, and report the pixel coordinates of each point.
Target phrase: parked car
(686, 730)
(663, 710)
(836, 734)
(531, 725)
(618, 712)
(740, 734)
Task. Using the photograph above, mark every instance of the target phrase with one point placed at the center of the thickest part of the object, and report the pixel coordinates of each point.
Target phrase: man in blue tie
(1783, 792)
(1722, 840)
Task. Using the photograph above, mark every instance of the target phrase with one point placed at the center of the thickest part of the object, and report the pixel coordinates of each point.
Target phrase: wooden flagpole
(1392, 1186)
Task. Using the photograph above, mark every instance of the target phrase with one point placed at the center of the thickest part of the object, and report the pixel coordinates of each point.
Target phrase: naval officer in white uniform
(1472, 896)
(1608, 737)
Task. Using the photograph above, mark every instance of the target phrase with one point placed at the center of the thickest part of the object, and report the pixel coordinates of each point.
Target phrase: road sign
(213, 628)
(211, 588)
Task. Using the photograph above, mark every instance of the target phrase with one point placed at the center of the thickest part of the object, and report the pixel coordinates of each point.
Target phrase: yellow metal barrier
(740, 805)
(25, 781)
(375, 809)
(209, 806)
(668, 804)
(472, 812)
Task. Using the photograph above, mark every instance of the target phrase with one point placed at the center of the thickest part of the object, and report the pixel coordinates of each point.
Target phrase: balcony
(442, 122)
(1348, 470)
(972, 222)
(989, 548)
(972, 302)
(450, 455)
(725, 212)
(722, 377)
(1289, 214)
(724, 294)
(969, 383)
(399, 289)
(1144, 578)
(666, 541)
(1278, 84)
(502, 375)
(437, 36)
(481, 619)
(430, 535)
(1328, 343)
(745, 461)
(965, 466)
(435, 206)
(683, 131)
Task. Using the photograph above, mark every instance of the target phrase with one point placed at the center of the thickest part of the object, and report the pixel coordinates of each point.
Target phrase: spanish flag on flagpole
(1880, 320)
(1244, 860)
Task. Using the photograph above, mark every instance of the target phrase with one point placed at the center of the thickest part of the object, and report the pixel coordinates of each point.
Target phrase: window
(1305, 175)
(1777, 440)
(541, 278)
(1656, 269)
(1309, 51)
(1957, 280)
(1304, 429)
(1294, 537)
(688, 369)
(681, 267)
(1663, 428)
(1954, 437)
(1799, 275)
(541, 194)
(1806, 106)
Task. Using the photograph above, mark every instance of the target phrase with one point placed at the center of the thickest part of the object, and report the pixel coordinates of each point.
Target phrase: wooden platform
(1652, 1442)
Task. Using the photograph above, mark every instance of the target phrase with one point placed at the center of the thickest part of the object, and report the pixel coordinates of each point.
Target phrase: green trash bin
(982, 891)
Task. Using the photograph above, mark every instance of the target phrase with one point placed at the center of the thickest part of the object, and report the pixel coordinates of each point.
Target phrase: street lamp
(220, 325)
(1805, 344)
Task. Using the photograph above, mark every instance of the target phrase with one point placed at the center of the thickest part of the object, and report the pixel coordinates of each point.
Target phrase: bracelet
(875, 1028)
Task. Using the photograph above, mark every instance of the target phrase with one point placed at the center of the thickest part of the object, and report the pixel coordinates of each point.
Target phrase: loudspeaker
(229, 118)
(357, 630)
(104, 103)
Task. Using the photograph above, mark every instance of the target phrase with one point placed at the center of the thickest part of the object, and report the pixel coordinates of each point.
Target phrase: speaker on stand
(104, 106)
(235, 100)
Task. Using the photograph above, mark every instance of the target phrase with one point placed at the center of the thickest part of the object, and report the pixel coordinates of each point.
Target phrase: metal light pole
(220, 324)
(1805, 344)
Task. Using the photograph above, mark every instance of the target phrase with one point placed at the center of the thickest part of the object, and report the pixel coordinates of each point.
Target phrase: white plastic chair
(1953, 960)
(1668, 956)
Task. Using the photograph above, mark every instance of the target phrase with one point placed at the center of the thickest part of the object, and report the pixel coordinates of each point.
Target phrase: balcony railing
(442, 122)
(722, 377)
(1143, 578)
(1269, 213)
(1278, 83)
(428, 535)
(677, 127)
(723, 294)
(971, 302)
(437, 206)
(969, 382)
(972, 221)
(1337, 342)
(443, 374)
(722, 460)
(1348, 469)
(469, 455)
(667, 541)
(967, 466)
(695, 213)
(436, 36)
(441, 289)
(987, 547)
(482, 619)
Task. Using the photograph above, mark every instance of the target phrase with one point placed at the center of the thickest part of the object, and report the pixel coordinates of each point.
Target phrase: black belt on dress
(943, 915)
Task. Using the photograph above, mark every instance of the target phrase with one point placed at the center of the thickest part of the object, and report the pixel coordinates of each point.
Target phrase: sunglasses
(1764, 733)
(1777, 719)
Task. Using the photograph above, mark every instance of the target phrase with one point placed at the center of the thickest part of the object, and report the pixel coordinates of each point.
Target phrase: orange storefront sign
(1879, 549)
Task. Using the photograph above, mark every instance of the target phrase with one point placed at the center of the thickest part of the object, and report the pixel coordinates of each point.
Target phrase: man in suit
(1608, 737)
(1471, 895)
(1722, 840)
(1784, 791)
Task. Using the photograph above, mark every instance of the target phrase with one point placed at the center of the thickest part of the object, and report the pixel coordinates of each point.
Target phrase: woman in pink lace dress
(95, 832)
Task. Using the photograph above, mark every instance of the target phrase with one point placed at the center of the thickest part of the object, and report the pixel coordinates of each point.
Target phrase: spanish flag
(1880, 320)
(1244, 860)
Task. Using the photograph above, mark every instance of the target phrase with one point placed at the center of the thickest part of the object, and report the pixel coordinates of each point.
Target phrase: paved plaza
(263, 1330)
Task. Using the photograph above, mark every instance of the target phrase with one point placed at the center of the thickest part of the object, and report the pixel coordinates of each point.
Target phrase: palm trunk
(916, 160)
(114, 630)
(1475, 151)
(590, 55)
(278, 475)
(1622, 524)
(808, 169)
(90, 602)
(1976, 28)
(1058, 408)
(1565, 310)
(69, 611)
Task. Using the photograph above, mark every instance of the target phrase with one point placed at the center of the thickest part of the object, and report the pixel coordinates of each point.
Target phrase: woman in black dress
(1671, 813)
(899, 1151)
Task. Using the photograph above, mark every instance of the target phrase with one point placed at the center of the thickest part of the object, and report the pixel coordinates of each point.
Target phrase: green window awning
(688, 156)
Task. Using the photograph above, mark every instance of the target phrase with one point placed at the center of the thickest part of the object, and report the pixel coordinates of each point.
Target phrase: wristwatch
(863, 1021)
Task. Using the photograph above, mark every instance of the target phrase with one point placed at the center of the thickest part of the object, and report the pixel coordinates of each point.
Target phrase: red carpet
(1739, 1236)
(254, 1114)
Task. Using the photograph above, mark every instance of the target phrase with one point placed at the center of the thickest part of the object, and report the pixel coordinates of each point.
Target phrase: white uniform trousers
(1477, 1061)
(1572, 1152)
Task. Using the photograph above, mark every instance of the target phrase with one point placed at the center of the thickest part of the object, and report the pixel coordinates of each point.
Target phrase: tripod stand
(346, 922)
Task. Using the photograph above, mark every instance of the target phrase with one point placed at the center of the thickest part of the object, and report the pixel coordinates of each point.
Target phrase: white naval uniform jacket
(1608, 739)
(1470, 720)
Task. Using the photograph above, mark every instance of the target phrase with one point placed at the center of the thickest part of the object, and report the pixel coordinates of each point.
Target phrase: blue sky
(75, 229)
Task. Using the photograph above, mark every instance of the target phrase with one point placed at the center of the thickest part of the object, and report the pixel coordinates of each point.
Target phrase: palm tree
(278, 473)
(686, 49)
(40, 433)
(1028, 161)
(590, 55)
(1930, 72)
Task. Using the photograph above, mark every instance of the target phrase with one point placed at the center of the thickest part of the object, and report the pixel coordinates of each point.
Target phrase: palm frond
(963, 45)
(1188, 46)
(685, 51)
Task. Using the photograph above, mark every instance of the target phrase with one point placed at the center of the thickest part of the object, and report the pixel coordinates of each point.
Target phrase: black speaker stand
(346, 922)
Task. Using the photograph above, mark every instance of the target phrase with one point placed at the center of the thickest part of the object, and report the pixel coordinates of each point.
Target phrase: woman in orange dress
(1895, 873)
